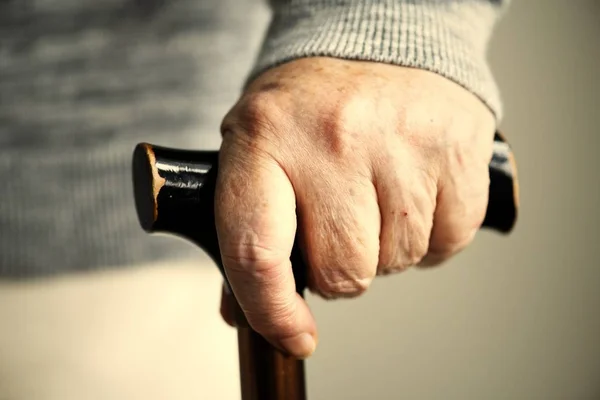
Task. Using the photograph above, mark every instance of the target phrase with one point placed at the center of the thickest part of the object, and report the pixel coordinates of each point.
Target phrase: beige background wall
(513, 317)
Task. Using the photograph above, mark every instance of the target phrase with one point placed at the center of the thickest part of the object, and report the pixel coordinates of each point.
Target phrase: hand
(379, 167)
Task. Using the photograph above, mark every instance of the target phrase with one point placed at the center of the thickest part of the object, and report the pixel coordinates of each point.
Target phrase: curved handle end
(146, 185)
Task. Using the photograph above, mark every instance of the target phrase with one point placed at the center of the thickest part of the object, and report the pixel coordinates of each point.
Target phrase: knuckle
(405, 254)
(252, 257)
(417, 251)
(479, 212)
(344, 288)
(347, 276)
(459, 230)
(255, 114)
(392, 262)
(334, 130)
(454, 241)
(341, 142)
(337, 130)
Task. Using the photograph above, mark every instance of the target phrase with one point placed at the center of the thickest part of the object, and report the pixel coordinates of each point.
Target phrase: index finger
(256, 225)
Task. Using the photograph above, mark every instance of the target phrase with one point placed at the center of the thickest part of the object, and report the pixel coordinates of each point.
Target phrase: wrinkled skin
(379, 167)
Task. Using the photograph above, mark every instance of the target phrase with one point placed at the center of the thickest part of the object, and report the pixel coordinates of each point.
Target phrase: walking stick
(174, 194)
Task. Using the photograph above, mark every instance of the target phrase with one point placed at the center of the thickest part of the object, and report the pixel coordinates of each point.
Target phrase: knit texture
(83, 81)
(442, 36)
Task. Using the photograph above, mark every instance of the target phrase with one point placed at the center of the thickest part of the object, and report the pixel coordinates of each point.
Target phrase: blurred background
(515, 317)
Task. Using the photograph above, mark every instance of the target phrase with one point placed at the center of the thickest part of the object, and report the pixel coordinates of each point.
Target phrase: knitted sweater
(83, 81)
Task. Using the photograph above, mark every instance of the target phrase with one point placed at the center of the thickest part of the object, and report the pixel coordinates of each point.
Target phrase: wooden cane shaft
(265, 372)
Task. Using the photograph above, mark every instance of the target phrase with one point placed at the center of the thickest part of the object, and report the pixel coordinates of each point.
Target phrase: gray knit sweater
(82, 81)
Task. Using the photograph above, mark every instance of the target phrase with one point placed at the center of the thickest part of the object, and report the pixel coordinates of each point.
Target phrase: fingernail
(301, 346)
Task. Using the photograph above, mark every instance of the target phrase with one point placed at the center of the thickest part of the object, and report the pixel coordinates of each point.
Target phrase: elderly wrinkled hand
(378, 168)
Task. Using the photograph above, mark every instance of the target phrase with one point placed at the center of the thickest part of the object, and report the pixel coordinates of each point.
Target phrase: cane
(174, 194)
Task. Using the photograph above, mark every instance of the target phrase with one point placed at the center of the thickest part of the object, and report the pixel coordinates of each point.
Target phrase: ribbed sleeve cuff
(446, 37)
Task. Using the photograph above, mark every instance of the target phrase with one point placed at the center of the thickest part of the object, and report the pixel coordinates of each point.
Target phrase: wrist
(448, 38)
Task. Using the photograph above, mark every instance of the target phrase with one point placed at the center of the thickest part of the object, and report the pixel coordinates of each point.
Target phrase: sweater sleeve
(448, 37)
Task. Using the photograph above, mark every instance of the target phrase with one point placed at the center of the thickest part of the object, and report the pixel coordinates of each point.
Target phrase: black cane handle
(174, 194)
